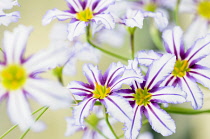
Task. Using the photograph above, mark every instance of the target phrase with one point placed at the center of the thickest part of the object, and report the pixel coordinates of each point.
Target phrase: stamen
(181, 68)
(203, 9)
(85, 15)
(142, 97)
(100, 91)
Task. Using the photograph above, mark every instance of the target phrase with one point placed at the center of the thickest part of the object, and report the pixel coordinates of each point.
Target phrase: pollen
(142, 97)
(204, 9)
(85, 15)
(13, 77)
(100, 91)
(181, 68)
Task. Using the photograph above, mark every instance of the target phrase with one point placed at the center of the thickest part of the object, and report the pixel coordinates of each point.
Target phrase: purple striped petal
(147, 57)
(114, 71)
(80, 88)
(160, 121)
(55, 13)
(6, 19)
(194, 94)
(173, 42)
(14, 43)
(82, 110)
(133, 128)
(75, 29)
(199, 50)
(134, 18)
(118, 108)
(92, 74)
(169, 95)
(75, 4)
(48, 93)
(102, 5)
(168, 81)
(201, 76)
(71, 128)
(159, 70)
(106, 19)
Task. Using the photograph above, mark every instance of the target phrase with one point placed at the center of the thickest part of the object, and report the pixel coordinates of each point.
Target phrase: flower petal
(147, 57)
(102, 5)
(75, 29)
(134, 18)
(71, 128)
(19, 111)
(199, 50)
(92, 74)
(159, 70)
(82, 110)
(106, 19)
(201, 76)
(14, 44)
(79, 88)
(160, 121)
(55, 13)
(169, 95)
(117, 105)
(48, 93)
(173, 41)
(133, 129)
(194, 94)
(8, 4)
(6, 19)
(47, 59)
(75, 4)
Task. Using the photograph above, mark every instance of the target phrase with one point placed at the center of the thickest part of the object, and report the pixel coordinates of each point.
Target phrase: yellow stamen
(85, 15)
(100, 91)
(181, 68)
(142, 97)
(204, 9)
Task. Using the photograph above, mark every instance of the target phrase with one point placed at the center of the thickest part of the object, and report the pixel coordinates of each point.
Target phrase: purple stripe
(104, 20)
(156, 74)
(81, 89)
(106, 76)
(158, 118)
(169, 80)
(199, 74)
(190, 92)
(134, 118)
(174, 46)
(196, 66)
(118, 107)
(4, 96)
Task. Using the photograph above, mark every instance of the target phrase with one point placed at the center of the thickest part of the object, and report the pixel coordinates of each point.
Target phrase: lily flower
(19, 78)
(102, 88)
(188, 68)
(145, 97)
(81, 14)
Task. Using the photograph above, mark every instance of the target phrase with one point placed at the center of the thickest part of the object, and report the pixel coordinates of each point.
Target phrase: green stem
(176, 12)
(96, 129)
(13, 127)
(132, 44)
(101, 49)
(186, 111)
(37, 118)
(156, 37)
(108, 123)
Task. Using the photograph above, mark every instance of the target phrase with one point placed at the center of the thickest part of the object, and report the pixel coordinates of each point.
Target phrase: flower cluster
(134, 91)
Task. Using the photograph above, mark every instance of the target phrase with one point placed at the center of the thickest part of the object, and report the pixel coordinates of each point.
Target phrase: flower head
(101, 88)
(19, 78)
(81, 14)
(145, 97)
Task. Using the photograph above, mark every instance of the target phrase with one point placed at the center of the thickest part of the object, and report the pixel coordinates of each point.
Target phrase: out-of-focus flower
(101, 88)
(6, 19)
(81, 13)
(145, 97)
(199, 26)
(20, 80)
(95, 119)
(187, 70)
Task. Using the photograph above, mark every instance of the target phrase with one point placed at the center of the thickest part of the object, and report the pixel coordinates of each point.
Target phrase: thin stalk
(37, 118)
(156, 37)
(96, 129)
(176, 12)
(108, 123)
(132, 44)
(13, 127)
(101, 49)
(186, 111)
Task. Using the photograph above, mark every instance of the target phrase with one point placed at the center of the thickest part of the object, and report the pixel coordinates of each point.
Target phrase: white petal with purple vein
(194, 94)
(134, 18)
(83, 110)
(79, 88)
(75, 29)
(75, 4)
(201, 76)
(105, 19)
(159, 70)
(48, 93)
(55, 13)
(103, 4)
(6, 19)
(160, 121)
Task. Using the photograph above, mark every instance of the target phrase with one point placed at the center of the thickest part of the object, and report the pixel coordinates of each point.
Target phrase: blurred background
(32, 12)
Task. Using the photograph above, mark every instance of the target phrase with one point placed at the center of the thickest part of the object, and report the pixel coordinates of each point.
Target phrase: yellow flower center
(150, 7)
(204, 9)
(181, 68)
(100, 91)
(142, 97)
(13, 77)
(85, 15)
